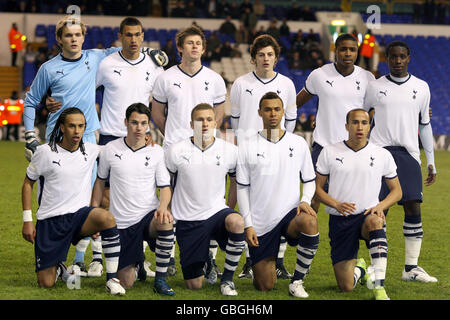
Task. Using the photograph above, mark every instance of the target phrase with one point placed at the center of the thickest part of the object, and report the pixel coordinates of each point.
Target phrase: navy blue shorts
(409, 174)
(344, 234)
(131, 238)
(193, 239)
(269, 243)
(315, 152)
(54, 236)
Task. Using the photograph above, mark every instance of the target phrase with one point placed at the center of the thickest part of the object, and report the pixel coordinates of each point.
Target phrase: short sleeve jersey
(338, 95)
(355, 176)
(64, 177)
(199, 191)
(181, 93)
(134, 176)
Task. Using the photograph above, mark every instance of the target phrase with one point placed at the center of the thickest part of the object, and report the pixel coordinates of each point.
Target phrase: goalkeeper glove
(31, 144)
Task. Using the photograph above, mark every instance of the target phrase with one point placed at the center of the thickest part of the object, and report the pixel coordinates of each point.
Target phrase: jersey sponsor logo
(177, 85)
(146, 162)
(329, 82)
(57, 162)
(118, 72)
(120, 157)
(357, 85)
(341, 160)
(414, 93)
(249, 91)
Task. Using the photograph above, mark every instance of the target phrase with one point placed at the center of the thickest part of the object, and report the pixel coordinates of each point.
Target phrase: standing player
(64, 168)
(182, 87)
(401, 105)
(245, 94)
(127, 76)
(200, 208)
(135, 171)
(340, 87)
(355, 168)
(270, 167)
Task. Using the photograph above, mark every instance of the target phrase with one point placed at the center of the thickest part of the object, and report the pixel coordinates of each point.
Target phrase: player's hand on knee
(28, 231)
(159, 57)
(251, 237)
(163, 216)
(345, 208)
(306, 208)
(431, 178)
(52, 105)
(377, 210)
(31, 144)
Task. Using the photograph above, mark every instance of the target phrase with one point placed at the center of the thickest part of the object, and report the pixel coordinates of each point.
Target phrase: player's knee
(106, 219)
(263, 284)
(194, 284)
(346, 286)
(45, 282)
(234, 223)
(309, 224)
(374, 222)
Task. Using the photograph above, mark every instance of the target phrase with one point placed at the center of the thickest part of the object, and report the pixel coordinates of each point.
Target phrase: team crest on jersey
(87, 65)
(414, 93)
(206, 85)
(330, 83)
(371, 160)
(148, 75)
(357, 85)
(147, 160)
(218, 160)
(290, 152)
(278, 92)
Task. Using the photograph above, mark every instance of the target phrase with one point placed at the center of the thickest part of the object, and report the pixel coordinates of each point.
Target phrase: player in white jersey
(355, 168)
(180, 88)
(136, 170)
(340, 87)
(400, 102)
(245, 95)
(201, 164)
(64, 169)
(271, 166)
(127, 77)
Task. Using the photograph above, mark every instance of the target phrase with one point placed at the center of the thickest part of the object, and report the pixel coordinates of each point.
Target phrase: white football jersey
(355, 176)
(181, 93)
(134, 176)
(273, 172)
(247, 91)
(399, 108)
(125, 82)
(199, 191)
(338, 95)
(64, 177)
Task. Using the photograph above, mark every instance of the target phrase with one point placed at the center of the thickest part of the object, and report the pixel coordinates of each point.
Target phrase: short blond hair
(69, 19)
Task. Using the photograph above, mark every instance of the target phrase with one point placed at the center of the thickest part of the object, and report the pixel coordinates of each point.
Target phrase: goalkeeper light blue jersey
(72, 82)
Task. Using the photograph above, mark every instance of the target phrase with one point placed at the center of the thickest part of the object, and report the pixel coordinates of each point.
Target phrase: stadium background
(426, 31)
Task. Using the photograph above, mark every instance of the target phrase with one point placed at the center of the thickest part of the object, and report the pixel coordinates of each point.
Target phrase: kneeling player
(135, 170)
(270, 167)
(64, 168)
(354, 169)
(200, 165)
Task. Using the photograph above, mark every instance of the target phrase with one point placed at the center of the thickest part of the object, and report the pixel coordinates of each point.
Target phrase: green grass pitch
(18, 279)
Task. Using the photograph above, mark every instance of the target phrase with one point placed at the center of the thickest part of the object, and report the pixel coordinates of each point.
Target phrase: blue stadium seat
(40, 31)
